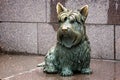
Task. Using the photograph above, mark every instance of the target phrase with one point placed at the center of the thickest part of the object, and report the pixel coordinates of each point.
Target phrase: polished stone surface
(117, 41)
(19, 67)
(23, 10)
(14, 64)
(18, 37)
(114, 12)
(46, 38)
(102, 40)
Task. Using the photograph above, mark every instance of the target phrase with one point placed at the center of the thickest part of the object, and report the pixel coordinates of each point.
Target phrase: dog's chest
(67, 41)
(68, 54)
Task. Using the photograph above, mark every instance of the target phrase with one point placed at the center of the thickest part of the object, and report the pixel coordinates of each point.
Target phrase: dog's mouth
(66, 35)
(66, 39)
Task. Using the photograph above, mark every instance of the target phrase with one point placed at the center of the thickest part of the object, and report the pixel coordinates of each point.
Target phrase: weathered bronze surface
(72, 51)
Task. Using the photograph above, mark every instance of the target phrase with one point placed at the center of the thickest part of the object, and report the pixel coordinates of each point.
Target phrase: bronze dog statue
(72, 51)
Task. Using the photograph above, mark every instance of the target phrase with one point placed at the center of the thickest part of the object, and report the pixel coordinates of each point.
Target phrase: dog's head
(71, 25)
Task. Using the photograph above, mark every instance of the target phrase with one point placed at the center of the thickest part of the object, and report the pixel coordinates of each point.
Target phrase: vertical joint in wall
(46, 11)
(114, 42)
(37, 41)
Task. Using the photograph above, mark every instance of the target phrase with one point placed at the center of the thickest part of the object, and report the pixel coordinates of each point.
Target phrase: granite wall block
(23, 10)
(18, 37)
(46, 37)
(117, 41)
(102, 41)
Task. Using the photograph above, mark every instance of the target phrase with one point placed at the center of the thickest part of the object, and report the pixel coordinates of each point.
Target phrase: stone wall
(30, 26)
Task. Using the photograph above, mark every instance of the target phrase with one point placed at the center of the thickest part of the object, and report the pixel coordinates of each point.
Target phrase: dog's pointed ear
(60, 8)
(84, 12)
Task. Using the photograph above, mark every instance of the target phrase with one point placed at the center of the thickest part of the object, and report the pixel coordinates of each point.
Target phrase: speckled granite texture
(30, 26)
(14, 67)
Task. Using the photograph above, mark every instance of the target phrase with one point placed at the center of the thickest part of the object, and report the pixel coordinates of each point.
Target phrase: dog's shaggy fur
(72, 51)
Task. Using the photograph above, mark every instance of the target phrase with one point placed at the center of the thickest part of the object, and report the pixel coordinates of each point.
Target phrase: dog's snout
(64, 28)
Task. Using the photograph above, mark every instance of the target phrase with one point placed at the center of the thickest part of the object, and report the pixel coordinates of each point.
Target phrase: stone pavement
(22, 67)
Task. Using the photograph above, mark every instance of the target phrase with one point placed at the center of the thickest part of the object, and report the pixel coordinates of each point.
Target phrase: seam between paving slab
(18, 74)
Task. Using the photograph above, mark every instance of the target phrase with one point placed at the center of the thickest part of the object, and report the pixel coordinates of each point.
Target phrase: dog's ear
(60, 8)
(84, 12)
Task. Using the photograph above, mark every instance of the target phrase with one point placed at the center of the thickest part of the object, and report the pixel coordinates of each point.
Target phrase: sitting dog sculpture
(72, 51)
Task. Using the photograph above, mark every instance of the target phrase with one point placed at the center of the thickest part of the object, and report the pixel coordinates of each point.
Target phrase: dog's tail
(41, 64)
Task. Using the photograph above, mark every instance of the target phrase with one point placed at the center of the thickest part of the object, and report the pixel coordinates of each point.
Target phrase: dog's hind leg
(50, 62)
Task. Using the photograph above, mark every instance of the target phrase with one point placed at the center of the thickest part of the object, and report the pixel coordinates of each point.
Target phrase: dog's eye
(72, 21)
(63, 19)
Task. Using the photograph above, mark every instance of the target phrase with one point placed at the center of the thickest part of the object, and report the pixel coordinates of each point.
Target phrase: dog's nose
(64, 28)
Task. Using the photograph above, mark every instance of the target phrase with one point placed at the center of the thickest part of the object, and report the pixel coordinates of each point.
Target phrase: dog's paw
(86, 71)
(66, 72)
(50, 70)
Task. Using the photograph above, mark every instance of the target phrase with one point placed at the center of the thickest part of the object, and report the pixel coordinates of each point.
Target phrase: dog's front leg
(66, 71)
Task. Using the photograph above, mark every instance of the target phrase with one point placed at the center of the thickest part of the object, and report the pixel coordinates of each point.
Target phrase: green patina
(72, 50)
